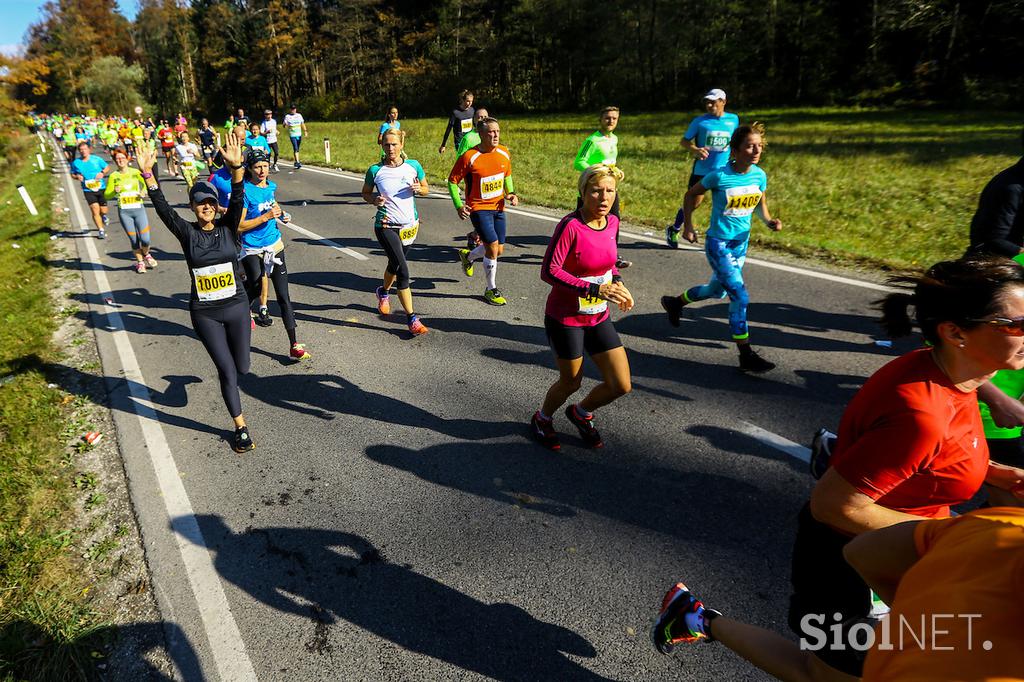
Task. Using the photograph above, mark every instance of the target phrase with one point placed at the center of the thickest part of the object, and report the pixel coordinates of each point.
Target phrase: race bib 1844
(215, 282)
(492, 186)
(741, 201)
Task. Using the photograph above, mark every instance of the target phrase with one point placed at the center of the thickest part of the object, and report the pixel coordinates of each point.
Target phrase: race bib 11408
(741, 201)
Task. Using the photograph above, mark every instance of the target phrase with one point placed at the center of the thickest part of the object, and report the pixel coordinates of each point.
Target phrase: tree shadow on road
(329, 575)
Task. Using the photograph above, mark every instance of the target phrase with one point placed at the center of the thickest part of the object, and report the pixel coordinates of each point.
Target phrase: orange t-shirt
(486, 173)
(968, 587)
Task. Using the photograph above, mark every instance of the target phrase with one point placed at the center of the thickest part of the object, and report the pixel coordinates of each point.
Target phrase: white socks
(490, 269)
(477, 253)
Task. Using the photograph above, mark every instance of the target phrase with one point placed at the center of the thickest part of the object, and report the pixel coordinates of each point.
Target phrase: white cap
(715, 94)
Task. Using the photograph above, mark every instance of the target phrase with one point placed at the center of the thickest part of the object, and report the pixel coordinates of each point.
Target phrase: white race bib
(408, 234)
(492, 186)
(741, 201)
(215, 282)
(93, 185)
(592, 305)
(129, 199)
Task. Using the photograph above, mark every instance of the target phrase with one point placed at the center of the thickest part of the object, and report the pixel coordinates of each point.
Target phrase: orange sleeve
(460, 168)
(926, 533)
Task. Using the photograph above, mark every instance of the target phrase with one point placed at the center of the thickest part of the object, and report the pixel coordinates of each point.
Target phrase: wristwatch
(147, 176)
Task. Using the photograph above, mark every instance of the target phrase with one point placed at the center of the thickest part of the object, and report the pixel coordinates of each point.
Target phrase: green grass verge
(882, 188)
(43, 608)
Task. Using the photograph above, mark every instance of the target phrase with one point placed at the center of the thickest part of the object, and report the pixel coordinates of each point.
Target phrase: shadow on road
(30, 652)
(329, 576)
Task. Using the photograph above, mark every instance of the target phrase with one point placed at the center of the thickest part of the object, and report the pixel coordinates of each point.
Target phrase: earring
(961, 345)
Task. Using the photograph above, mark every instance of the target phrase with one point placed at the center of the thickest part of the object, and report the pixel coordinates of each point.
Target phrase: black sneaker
(242, 442)
(822, 445)
(750, 361)
(264, 319)
(673, 305)
(544, 431)
(621, 263)
(588, 433)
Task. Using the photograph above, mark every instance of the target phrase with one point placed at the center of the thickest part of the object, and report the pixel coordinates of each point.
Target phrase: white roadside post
(327, 151)
(27, 199)
(39, 160)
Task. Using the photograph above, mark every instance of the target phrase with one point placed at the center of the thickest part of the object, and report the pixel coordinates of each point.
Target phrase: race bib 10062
(741, 201)
(215, 282)
(93, 185)
(492, 186)
(467, 125)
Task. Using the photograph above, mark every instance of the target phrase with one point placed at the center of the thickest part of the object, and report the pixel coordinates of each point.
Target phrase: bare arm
(762, 211)
(689, 206)
(883, 556)
(837, 503)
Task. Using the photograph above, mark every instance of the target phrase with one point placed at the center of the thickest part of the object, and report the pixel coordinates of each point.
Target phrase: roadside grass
(870, 187)
(44, 612)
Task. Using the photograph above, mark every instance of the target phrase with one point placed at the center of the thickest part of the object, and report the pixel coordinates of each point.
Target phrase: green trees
(341, 58)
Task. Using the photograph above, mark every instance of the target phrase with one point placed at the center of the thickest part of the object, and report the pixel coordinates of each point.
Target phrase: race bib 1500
(718, 140)
(492, 186)
(215, 282)
(741, 201)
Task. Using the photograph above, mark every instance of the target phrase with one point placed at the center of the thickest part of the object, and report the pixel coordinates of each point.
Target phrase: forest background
(349, 59)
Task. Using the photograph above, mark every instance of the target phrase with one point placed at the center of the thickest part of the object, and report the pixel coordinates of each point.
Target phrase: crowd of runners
(879, 533)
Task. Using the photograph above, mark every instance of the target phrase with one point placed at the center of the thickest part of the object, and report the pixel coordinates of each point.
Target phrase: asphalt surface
(396, 521)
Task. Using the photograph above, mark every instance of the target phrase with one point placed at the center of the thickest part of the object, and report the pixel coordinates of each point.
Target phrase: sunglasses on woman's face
(1005, 325)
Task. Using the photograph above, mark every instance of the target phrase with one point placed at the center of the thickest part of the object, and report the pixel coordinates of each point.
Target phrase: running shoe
(106, 219)
(750, 361)
(416, 327)
(263, 318)
(672, 236)
(467, 265)
(275, 168)
(472, 240)
(252, 323)
(150, 261)
(102, 234)
(544, 431)
(299, 352)
(673, 305)
(242, 442)
(494, 297)
(621, 263)
(298, 164)
(383, 302)
(822, 444)
(585, 425)
(140, 267)
(670, 627)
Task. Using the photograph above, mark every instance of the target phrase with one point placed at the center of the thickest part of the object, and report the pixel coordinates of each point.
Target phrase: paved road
(395, 522)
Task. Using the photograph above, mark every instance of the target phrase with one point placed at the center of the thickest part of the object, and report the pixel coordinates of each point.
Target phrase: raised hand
(231, 151)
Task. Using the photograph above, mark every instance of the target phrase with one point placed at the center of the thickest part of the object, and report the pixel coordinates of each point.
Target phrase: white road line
(776, 441)
(226, 643)
(324, 240)
(839, 279)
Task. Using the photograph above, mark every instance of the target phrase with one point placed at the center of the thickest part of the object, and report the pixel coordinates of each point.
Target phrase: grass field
(42, 602)
(882, 188)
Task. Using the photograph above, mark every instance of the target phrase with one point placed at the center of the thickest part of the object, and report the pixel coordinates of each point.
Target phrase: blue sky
(19, 14)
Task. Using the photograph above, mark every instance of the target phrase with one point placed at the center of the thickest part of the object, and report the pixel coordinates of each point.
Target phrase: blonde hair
(394, 132)
(597, 173)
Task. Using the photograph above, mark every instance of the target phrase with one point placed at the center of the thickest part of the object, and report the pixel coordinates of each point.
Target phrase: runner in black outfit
(460, 121)
(998, 224)
(217, 303)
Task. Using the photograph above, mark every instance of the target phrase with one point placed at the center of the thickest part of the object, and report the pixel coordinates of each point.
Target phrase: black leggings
(273, 147)
(393, 249)
(253, 266)
(225, 333)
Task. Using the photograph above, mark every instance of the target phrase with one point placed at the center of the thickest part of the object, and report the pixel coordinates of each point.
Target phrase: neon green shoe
(467, 265)
(494, 297)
